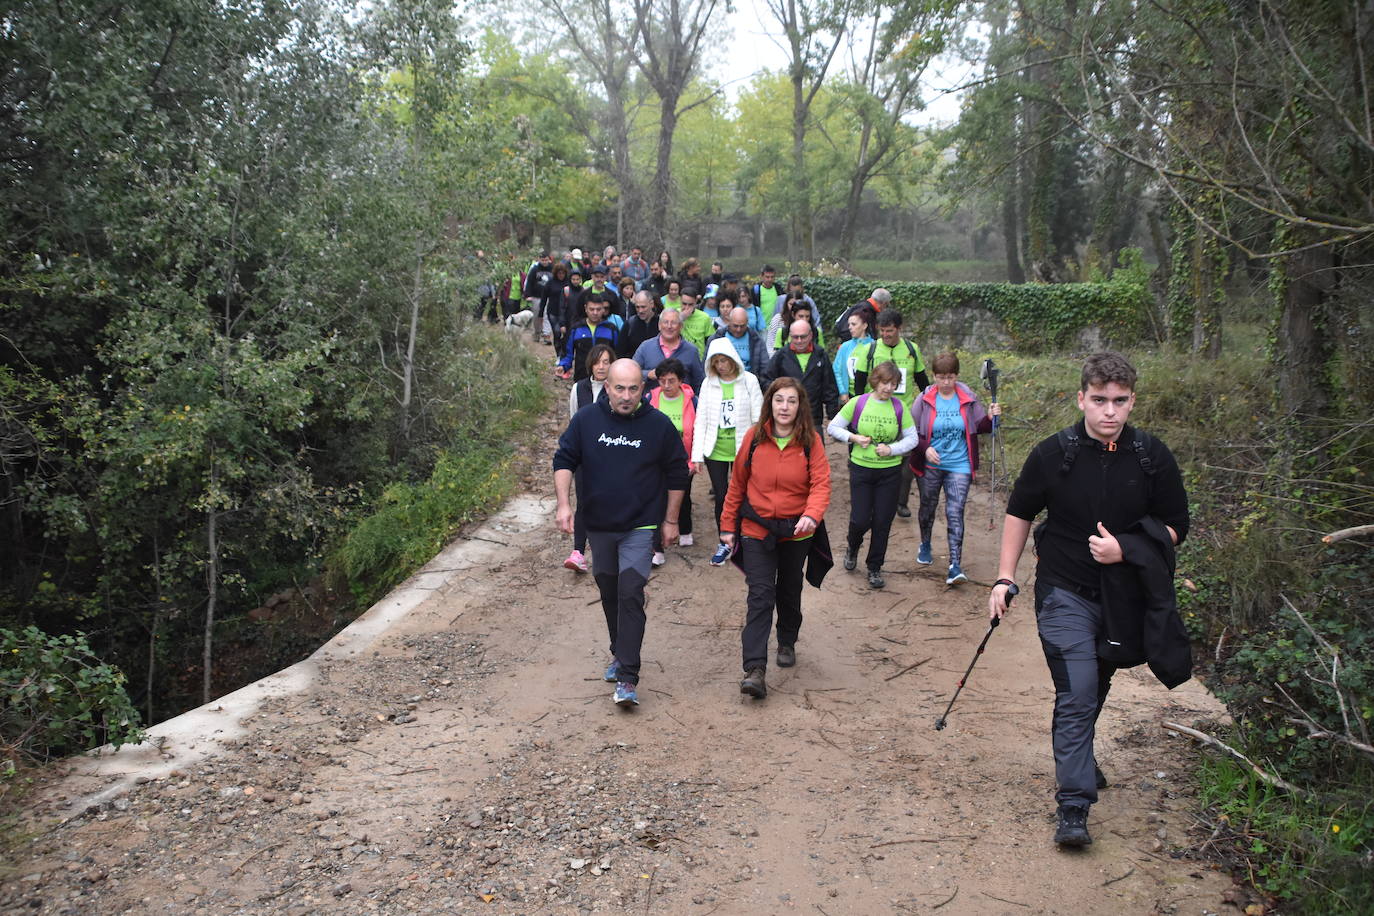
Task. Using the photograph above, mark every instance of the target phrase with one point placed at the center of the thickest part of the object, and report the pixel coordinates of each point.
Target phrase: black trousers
(908, 475)
(872, 506)
(719, 472)
(775, 580)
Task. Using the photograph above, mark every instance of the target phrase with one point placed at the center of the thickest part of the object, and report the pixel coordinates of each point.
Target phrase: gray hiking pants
(621, 561)
(1068, 625)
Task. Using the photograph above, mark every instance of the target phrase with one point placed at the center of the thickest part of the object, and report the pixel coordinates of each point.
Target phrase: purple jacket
(976, 423)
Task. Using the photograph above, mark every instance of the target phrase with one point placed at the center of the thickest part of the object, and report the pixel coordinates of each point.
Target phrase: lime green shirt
(906, 389)
(803, 359)
(879, 422)
(768, 301)
(697, 327)
(724, 449)
(672, 408)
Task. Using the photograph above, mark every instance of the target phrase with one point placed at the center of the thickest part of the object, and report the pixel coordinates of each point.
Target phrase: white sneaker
(659, 559)
(685, 540)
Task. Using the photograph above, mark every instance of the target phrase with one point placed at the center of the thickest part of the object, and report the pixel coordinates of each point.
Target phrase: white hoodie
(748, 401)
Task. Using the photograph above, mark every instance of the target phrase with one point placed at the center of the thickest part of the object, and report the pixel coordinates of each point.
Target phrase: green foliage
(1037, 316)
(1314, 855)
(58, 698)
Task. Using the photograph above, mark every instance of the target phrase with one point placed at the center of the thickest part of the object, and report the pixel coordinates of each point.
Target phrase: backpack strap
(754, 443)
(858, 412)
(1069, 442)
(1138, 444)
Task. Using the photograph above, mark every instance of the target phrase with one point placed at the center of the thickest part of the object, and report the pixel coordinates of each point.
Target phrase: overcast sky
(755, 45)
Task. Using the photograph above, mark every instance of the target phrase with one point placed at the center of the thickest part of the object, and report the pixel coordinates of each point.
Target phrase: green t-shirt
(803, 359)
(697, 327)
(672, 408)
(879, 421)
(768, 301)
(724, 449)
(902, 356)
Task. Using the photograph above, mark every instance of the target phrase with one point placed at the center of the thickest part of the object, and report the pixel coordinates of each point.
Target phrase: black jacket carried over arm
(1140, 621)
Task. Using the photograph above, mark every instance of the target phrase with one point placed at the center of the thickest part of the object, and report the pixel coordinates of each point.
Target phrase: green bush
(1038, 316)
(413, 522)
(59, 698)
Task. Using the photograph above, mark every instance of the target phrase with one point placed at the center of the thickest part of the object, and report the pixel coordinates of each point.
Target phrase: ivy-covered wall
(1037, 316)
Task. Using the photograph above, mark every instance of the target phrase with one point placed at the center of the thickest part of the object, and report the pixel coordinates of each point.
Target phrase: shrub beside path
(469, 759)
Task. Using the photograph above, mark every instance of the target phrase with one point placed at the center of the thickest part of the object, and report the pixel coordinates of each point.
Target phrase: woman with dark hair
(860, 327)
(879, 432)
(792, 309)
(949, 419)
(672, 298)
(778, 495)
(665, 260)
(585, 392)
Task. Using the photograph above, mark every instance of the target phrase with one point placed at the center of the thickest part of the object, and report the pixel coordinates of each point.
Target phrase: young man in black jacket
(634, 472)
(1097, 477)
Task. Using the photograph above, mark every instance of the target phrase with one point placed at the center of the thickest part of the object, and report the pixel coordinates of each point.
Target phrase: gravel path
(470, 759)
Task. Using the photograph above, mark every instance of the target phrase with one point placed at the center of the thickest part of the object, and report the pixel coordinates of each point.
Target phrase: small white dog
(519, 321)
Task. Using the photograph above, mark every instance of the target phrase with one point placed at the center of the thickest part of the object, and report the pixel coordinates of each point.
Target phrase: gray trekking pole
(989, 372)
(940, 722)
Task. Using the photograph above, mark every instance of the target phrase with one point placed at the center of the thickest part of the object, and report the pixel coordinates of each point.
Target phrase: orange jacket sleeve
(819, 498)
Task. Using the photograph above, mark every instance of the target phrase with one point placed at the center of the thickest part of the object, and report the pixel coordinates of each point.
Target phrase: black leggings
(872, 506)
(719, 472)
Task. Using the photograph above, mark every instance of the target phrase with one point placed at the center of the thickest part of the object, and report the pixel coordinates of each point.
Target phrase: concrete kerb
(200, 733)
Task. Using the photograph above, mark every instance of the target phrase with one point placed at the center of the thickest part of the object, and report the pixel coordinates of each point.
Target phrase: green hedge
(1037, 316)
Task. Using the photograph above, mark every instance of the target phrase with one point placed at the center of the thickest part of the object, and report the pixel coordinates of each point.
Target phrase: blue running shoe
(956, 575)
(626, 694)
(612, 672)
(923, 555)
(721, 555)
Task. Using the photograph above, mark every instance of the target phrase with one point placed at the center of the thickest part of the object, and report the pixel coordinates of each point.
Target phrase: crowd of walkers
(684, 371)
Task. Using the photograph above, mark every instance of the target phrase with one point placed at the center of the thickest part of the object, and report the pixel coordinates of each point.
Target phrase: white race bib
(901, 389)
(727, 414)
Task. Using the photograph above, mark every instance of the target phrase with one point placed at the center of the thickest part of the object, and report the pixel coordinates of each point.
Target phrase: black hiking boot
(787, 656)
(1072, 829)
(851, 559)
(875, 578)
(753, 684)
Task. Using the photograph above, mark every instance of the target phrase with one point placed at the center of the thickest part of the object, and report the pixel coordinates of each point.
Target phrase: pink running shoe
(576, 562)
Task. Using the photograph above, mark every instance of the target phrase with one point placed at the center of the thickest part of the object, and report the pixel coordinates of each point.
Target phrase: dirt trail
(471, 759)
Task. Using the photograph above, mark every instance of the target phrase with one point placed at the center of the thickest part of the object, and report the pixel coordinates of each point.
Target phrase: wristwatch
(1012, 590)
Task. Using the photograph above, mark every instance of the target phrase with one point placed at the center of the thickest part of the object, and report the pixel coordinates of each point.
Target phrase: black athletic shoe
(787, 656)
(903, 512)
(753, 684)
(875, 578)
(851, 559)
(1101, 777)
(1073, 826)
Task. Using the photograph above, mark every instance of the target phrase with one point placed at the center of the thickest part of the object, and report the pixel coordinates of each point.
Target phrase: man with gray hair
(880, 300)
(642, 325)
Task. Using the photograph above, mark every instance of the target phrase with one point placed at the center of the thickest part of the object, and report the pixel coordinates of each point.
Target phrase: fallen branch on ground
(1236, 755)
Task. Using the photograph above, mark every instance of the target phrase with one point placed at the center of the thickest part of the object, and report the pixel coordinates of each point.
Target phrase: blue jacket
(628, 465)
(580, 343)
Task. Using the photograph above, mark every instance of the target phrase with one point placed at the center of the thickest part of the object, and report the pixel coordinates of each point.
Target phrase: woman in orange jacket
(779, 491)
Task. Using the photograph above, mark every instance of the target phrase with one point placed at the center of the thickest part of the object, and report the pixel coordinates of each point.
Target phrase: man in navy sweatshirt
(634, 472)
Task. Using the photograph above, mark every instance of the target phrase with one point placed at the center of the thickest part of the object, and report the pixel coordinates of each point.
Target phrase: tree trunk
(212, 596)
(801, 208)
(1304, 350)
(663, 169)
(1011, 231)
